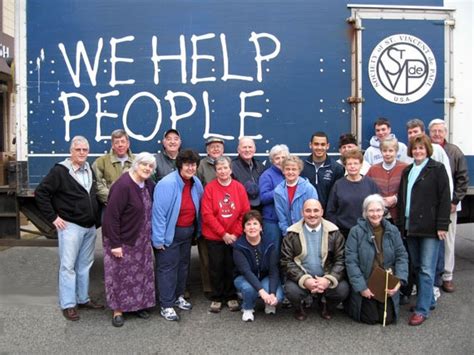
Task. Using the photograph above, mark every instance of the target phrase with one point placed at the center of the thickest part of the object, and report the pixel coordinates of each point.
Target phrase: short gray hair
(78, 139)
(438, 121)
(277, 149)
(143, 157)
(375, 198)
(222, 160)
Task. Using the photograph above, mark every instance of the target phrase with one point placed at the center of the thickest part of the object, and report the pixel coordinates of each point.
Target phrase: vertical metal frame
(378, 12)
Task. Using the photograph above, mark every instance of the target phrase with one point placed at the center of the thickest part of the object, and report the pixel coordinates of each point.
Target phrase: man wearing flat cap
(215, 149)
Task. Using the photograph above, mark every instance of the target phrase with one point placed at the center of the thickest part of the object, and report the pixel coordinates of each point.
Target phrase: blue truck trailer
(274, 70)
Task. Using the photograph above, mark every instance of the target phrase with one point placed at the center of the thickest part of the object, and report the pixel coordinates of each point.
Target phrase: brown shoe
(300, 313)
(448, 286)
(71, 314)
(325, 313)
(90, 305)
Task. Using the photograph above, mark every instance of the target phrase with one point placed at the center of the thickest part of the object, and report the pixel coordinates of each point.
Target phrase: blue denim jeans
(250, 294)
(440, 265)
(424, 256)
(76, 256)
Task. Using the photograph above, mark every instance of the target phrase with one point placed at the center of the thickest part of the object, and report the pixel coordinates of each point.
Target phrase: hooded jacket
(373, 155)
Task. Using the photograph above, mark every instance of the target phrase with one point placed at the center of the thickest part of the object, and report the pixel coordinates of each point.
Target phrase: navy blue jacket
(323, 178)
(246, 264)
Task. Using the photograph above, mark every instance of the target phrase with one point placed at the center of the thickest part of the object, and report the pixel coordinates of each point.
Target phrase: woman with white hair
(126, 233)
(374, 242)
(269, 179)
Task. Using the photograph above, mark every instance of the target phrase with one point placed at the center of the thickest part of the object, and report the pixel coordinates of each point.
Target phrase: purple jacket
(123, 218)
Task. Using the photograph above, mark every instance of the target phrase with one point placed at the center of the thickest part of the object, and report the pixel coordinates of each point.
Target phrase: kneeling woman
(374, 242)
(128, 261)
(256, 263)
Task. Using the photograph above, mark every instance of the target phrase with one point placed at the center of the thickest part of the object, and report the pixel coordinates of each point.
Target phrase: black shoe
(143, 314)
(404, 300)
(118, 321)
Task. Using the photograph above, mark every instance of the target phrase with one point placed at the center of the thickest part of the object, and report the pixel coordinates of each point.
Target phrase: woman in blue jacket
(256, 264)
(374, 242)
(267, 182)
(175, 220)
(291, 194)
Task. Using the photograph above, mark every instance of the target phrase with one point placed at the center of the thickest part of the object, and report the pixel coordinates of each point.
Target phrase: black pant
(371, 311)
(334, 296)
(221, 271)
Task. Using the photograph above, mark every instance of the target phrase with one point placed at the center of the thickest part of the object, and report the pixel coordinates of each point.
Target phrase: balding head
(312, 213)
(246, 148)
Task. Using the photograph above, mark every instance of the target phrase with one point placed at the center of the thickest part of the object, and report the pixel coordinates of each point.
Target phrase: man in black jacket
(320, 169)
(67, 198)
(247, 170)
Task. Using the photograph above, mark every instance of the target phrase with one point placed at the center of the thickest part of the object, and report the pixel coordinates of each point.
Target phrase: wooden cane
(386, 296)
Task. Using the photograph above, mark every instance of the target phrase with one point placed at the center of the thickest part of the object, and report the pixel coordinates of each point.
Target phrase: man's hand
(322, 284)
(453, 207)
(442, 235)
(311, 285)
(59, 223)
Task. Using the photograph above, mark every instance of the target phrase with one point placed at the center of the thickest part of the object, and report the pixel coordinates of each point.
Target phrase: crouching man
(312, 257)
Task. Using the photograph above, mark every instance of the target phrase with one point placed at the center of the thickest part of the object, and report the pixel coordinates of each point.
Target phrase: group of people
(295, 231)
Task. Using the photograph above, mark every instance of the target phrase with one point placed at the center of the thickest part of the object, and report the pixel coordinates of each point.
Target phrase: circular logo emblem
(402, 68)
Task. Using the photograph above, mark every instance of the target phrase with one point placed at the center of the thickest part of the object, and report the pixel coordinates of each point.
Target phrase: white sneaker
(181, 303)
(436, 293)
(247, 315)
(413, 291)
(169, 313)
(270, 309)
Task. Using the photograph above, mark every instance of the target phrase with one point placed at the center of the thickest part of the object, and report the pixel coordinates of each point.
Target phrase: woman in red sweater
(387, 175)
(223, 205)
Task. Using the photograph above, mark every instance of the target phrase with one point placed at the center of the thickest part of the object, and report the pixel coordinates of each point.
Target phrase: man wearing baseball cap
(166, 159)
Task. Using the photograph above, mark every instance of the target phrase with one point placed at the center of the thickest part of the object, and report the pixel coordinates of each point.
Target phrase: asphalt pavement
(31, 322)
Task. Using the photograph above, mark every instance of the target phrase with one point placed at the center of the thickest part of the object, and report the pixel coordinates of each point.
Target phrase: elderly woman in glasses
(223, 206)
(374, 242)
(126, 233)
